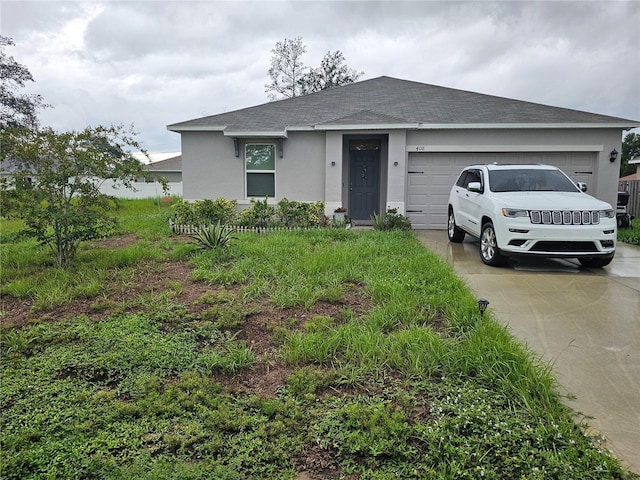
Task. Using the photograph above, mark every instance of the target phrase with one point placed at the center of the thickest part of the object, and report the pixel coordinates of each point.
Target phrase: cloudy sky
(152, 63)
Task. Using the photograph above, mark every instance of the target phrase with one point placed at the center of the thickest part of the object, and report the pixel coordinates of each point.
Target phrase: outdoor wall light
(281, 147)
(483, 303)
(333, 164)
(395, 164)
(613, 155)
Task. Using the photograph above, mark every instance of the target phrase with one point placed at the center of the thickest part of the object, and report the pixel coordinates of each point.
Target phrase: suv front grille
(561, 247)
(565, 217)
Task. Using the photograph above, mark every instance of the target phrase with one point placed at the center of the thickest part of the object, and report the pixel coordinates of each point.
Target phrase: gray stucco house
(388, 143)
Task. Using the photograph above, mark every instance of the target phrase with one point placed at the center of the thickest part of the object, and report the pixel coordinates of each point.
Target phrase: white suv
(530, 210)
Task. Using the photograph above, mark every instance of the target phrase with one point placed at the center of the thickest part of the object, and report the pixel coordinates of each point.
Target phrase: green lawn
(342, 354)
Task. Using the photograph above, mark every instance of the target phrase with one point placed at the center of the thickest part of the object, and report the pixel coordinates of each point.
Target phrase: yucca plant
(391, 220)
(214, 236)
(378, 221)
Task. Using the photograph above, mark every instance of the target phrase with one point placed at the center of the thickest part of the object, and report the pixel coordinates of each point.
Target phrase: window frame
(247, 171)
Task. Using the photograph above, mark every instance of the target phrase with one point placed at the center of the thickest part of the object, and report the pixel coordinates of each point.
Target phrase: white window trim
(246, 171)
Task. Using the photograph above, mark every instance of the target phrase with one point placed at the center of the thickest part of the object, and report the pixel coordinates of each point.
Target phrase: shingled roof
(386, 102)
(173, 164)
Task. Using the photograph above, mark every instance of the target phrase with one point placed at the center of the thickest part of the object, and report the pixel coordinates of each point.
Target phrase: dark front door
(364, 183)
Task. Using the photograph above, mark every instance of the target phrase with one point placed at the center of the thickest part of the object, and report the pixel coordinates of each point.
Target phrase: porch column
(397, 168)
(333, 172)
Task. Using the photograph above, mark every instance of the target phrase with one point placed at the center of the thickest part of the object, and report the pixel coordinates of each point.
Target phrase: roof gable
(173, 164)
(390, 101)
(367, 117)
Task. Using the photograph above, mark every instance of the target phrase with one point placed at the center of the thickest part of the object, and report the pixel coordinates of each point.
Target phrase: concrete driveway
(585, 322)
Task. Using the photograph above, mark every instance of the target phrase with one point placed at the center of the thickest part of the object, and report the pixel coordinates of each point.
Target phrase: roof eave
(515, 126)
(368, 126)
(393, 126)
(256, 133)
(196, 128)
(228, 133)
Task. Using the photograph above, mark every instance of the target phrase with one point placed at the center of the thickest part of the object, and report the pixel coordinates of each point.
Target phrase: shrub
(218, 210)
(391, 220)
(205, 212)
(259, 214)
(183, 213)
(288, 213)
(300, 214)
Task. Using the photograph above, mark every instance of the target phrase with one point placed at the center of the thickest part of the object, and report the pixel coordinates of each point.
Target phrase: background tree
(630, 150)
(286, 69)
(16, 110)
(331, 73)
(57, 179)
(290, 78)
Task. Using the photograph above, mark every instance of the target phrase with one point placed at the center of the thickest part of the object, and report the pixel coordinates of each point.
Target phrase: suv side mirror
(475, 187)
(582, 186)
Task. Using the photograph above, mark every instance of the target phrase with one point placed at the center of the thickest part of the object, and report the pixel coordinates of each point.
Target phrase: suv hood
(551, 201)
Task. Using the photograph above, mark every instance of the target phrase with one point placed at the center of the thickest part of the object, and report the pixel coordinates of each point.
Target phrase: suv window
(467, 177)
(461, 180)
(530, 180)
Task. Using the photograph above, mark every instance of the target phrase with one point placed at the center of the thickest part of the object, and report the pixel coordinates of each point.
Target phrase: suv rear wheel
(489, 251)
(455, 234)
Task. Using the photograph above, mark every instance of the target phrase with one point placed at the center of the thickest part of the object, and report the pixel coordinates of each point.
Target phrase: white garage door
(431, 175)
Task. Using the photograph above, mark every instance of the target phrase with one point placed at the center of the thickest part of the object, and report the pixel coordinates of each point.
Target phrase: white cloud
(152, 63)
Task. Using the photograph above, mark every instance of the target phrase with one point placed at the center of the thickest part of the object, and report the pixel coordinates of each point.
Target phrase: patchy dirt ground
(264, 379)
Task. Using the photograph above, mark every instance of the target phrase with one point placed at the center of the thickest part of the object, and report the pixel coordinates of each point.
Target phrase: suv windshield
(530, 180)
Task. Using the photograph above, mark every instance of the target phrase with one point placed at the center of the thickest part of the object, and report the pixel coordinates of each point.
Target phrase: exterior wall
(300, 174)
(397, 170)
(211, 168)
(604, 183)
(335, 173)
(171, 177)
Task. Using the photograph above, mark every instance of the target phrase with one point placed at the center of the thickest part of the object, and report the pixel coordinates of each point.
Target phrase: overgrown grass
(407, 382)
(630, 235)
(28, 269)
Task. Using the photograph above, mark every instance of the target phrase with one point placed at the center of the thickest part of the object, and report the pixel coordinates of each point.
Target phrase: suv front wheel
(489, 251)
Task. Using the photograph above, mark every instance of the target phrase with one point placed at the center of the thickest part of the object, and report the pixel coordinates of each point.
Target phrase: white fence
(182, 229)
(142, 190)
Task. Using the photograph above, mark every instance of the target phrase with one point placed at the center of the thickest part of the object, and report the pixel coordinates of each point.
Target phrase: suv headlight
(513, 212)
(609, 213)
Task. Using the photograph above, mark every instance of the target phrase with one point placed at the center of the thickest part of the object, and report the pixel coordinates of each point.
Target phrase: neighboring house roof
(634, 176)
(630, 178)
(386, 102)
(173, 164)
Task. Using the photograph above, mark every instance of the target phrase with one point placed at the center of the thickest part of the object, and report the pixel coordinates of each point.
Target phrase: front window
(260, 167)
(530, 180)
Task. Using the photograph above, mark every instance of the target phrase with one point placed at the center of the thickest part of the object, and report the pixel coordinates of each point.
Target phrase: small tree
(331, 73)
(630, 150)
(56, 178)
